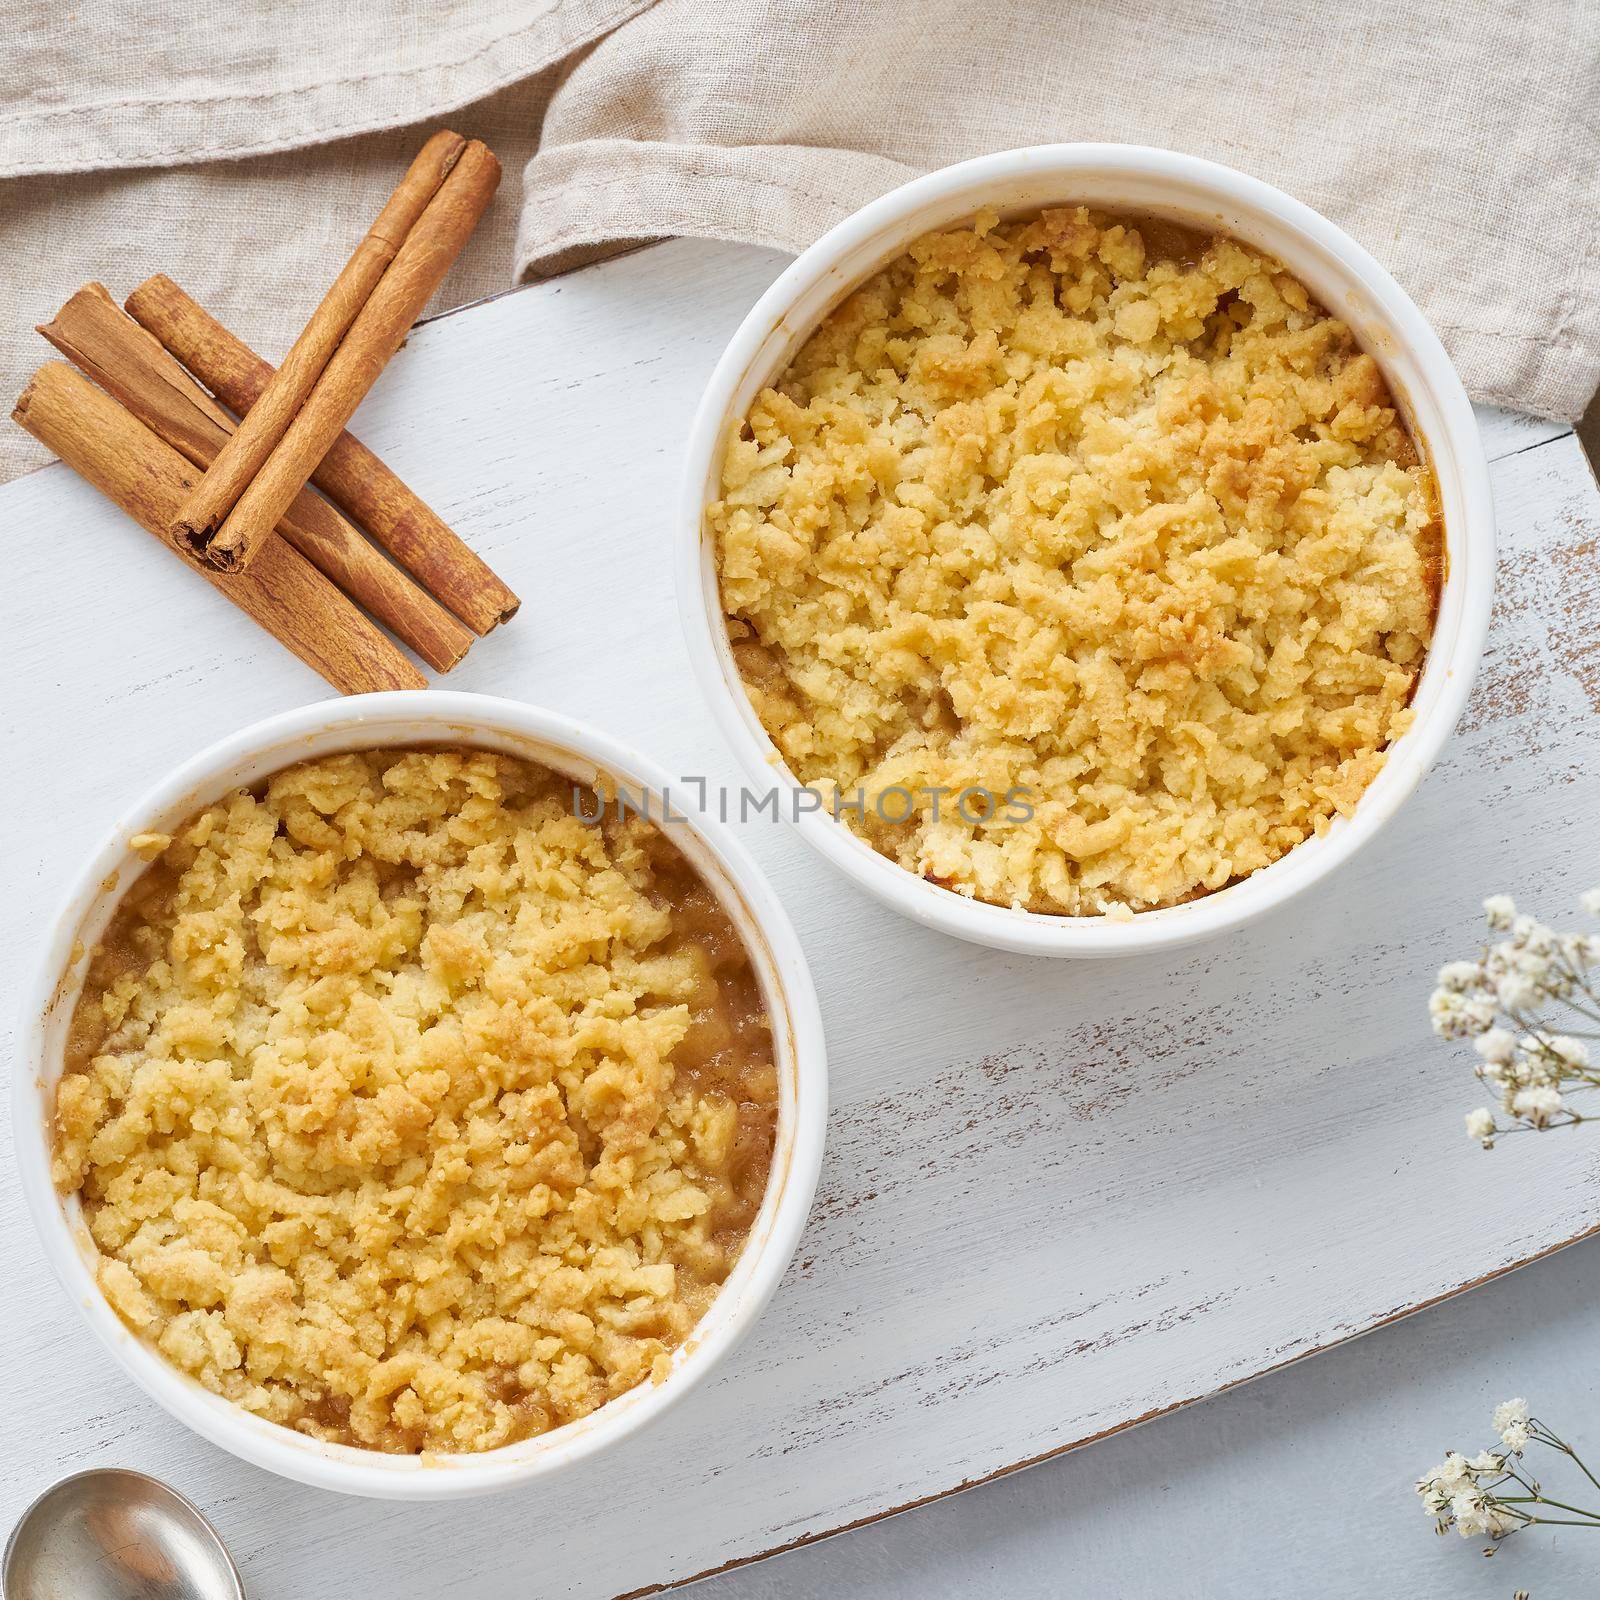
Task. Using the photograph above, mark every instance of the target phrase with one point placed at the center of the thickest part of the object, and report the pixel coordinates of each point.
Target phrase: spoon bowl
(110, 1534)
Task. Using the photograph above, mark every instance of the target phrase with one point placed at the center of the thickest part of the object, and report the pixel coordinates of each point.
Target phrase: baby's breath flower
(1590, 901)
(1507, 1003)
(1467, 1510)
(1458, 1016)
(1444, 1008)
(1538, 1105)
(1493, 1493)
(1535, 1063)
(1570, 1052)
(1498, 910)
(1558, 983)
(1460, 976)
(1516, 991)
(1476, 1516)
(1511, 1414)
(1461, 1493)
(1502, 1075)
(1499, 1520)
(1445, 1480)
(1497, 1045)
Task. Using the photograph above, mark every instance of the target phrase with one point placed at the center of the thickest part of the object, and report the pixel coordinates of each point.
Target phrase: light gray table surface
(1342, 1194)
(1294, 1487)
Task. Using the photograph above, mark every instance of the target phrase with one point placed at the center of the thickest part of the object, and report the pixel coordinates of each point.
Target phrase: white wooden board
(1057, 1199)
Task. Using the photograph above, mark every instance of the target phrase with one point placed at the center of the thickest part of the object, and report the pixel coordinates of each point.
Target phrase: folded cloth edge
(595, 192)
(180, 132)
(581, 197)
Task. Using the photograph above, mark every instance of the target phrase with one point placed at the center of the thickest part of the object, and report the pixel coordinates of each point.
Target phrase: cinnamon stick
(93, 332)
(379, 329)
(148, 479)
(241, 458)
(350, 474)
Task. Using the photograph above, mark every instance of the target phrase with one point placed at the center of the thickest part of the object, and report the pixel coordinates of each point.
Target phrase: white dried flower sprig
(1534, 1067)
(1493, 1493)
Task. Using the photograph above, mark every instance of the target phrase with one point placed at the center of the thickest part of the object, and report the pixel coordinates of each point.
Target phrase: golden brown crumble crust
(1131, 525)
(409, 1110)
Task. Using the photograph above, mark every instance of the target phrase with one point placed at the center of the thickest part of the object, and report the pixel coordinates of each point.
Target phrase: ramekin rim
(1408, 758)
(348, 1469)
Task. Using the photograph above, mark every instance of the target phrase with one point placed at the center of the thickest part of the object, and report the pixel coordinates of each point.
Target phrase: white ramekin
(1126, 178)
(361, 722)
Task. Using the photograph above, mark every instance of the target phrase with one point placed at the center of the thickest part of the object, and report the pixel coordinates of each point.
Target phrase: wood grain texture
(1057, 1199)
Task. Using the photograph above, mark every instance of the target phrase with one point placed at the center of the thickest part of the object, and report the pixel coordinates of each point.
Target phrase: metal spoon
(116, 1535)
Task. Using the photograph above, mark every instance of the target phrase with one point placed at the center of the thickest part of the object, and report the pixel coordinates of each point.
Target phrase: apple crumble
(1103, 516)
(412, 1111)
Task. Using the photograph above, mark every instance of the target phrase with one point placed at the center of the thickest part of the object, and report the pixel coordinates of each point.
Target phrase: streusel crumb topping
(410, 1110)
(1108, 517)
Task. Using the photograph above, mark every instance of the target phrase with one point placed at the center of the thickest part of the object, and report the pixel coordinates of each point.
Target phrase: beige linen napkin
(1459, 143)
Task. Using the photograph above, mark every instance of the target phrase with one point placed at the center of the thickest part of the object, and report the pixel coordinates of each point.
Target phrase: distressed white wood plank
(1506, 432)
(1057, 1198)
